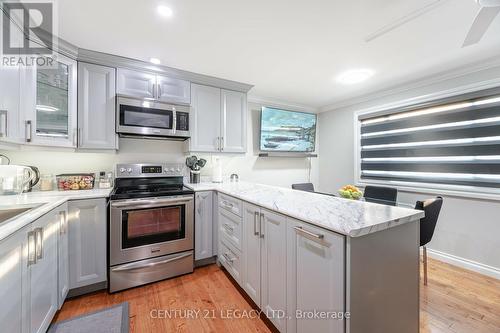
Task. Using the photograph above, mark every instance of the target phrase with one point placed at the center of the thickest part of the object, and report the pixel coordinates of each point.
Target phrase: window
(453, 144)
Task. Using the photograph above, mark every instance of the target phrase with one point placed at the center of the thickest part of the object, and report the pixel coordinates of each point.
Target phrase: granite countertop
(45, 202)
(347, 217)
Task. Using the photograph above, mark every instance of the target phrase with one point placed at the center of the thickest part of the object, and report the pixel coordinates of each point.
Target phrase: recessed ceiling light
(155, 61)
(355, 76)
(165, 11)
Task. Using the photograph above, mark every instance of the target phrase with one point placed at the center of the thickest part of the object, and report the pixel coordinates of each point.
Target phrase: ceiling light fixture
(355, 76)
(155, 61)
(164, 11)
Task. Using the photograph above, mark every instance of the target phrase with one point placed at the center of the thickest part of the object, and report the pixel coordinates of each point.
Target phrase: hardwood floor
(458, 301)
(454, 301)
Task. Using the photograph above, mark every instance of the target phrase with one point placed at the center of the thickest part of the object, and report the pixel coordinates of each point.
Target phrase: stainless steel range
(151, 227)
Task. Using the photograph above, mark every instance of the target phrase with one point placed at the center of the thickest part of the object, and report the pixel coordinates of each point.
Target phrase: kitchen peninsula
(295, 252)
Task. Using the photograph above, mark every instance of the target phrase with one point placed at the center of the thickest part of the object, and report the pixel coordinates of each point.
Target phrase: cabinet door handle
(159, 91)
(260, 225)
(222, 143)
(31, 248)
(39, 243)
(255, 217)
(218, 143)
(155, 91)
(28, 129)
(305, 232)
(4, 120)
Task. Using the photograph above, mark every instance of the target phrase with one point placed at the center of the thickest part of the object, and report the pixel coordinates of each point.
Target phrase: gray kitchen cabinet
(137, 84)
(233, 121)
(218, 120)
(264, 261)
(252, 252)
(87, 242)
(315, 277)
(13, 281)
(96, 106)
(9, 105)
(215, 223)
(63, 255)
(273, 267)
(43, 271)
(172, 90)
(203, 225)
(10, 95)
(205, 119)
(49, 104)
(29, 275)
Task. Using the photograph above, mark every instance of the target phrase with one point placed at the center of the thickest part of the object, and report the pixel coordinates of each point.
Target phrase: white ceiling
(291, 50)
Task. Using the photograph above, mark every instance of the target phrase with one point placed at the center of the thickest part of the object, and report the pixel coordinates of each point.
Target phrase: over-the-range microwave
(151, 119)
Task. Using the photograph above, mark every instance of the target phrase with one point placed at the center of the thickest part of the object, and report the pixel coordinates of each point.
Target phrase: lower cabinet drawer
(231, 204)
(230, 227)
(230, 258)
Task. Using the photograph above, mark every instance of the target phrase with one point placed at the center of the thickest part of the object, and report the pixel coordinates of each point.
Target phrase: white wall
(273, 171)
(468, 229)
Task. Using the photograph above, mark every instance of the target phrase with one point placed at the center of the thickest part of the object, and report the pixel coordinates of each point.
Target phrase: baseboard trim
(465, 263)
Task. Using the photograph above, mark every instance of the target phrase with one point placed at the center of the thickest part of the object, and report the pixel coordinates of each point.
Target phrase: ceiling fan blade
(481, 23)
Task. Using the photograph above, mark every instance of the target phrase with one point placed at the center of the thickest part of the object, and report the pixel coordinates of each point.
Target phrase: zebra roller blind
(455, 143)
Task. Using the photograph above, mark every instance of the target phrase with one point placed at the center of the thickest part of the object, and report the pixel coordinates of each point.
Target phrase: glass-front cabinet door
(50, 110)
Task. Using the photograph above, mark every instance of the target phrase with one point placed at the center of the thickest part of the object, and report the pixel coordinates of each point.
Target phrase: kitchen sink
(9, 212)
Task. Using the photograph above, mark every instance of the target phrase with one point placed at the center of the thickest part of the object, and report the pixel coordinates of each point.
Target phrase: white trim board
(281, 104)
(465, 263)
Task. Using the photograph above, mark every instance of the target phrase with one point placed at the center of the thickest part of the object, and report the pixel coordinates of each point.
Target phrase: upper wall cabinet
(49, 103)
(233, 121)
(96, 106)
(218, 119)
(173, 90)
(10, 95)
(146, 85)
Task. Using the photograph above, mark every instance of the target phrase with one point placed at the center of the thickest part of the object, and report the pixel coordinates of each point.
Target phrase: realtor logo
(34, 19)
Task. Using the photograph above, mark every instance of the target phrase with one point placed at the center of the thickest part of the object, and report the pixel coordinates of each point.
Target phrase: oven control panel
(149, 170)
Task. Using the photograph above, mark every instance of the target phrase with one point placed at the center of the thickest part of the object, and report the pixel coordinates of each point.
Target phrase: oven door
(150, 227)
(145, 118)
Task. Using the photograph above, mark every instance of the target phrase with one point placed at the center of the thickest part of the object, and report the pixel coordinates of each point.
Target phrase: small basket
(75, 181)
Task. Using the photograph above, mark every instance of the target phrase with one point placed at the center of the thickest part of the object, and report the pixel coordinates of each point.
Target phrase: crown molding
(267, 101)
(490, 63)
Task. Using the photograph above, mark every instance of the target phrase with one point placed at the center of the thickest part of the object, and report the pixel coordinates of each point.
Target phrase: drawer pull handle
(305, 232)
(228, 228)
(229, 259)
(228, 204)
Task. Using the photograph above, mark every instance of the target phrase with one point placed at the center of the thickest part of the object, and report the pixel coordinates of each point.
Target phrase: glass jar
(47, 182)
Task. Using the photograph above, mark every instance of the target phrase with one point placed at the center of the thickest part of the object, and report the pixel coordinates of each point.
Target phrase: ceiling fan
(487, 13)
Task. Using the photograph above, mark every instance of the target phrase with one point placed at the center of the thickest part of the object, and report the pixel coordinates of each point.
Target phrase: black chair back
(381, 195)
(308, 187)
(431, 207)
